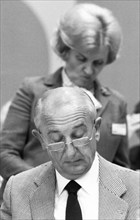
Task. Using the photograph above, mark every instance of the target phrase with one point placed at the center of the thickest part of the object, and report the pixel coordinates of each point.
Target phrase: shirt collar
(87, 181)
(91, 178)
(65, 79)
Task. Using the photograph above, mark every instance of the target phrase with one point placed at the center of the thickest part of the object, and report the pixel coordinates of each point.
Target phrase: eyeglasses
(78, 143)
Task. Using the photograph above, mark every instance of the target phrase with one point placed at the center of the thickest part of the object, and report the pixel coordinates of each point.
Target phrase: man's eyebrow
(53, 131)
(80, 125)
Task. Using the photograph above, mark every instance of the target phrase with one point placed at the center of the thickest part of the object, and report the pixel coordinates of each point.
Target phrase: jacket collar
(101, 93)
(111, 189)
(54, 80)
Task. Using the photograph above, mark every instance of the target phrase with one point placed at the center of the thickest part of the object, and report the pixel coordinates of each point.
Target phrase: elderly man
(78, 183)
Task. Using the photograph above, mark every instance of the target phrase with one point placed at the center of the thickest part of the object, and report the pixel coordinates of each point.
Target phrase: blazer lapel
(111, 189)
(104, 101)
(43, 197)
(102, 94)
(54, 80)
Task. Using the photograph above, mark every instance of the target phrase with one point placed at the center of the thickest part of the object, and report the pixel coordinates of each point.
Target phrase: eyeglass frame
(73, 141)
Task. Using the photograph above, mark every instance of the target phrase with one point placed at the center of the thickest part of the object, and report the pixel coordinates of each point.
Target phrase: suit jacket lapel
(104, 101)
(111, 189)
(54, 80)
(102, 94)
(43, 197)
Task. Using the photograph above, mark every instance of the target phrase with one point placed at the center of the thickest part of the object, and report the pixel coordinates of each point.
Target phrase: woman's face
(83, 67)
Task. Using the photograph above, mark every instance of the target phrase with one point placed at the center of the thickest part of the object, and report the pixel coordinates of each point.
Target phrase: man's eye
(98, 62)
(55, 137)
(78, 134)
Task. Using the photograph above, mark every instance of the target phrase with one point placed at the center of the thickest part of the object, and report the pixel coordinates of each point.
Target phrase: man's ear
(97, 127)
(38, 136)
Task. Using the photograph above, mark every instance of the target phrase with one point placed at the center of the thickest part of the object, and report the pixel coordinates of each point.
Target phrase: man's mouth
(74, 162)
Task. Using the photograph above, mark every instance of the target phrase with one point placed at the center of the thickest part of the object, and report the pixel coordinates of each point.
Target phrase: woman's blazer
(20, 150)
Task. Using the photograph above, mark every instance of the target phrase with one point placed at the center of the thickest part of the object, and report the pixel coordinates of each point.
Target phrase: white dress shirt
(88, 194)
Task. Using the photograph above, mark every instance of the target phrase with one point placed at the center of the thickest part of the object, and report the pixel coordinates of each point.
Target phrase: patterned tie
(73, 210)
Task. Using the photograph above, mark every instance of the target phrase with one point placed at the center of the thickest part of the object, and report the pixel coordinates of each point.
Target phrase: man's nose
(71, 150)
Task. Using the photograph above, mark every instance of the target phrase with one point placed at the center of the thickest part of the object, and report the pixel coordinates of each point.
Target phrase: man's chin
(77, 171)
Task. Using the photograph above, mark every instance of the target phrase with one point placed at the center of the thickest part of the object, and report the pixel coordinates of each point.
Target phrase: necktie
(73, 210)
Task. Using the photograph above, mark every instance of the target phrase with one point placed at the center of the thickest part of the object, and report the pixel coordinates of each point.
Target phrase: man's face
(83, 67)
(71, 161)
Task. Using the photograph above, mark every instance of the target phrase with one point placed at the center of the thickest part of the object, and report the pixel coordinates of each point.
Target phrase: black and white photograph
(69, 110)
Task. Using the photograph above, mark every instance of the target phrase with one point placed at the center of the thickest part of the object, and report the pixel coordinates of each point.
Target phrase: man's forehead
(69, 113)
(56, 127)
(63, 120)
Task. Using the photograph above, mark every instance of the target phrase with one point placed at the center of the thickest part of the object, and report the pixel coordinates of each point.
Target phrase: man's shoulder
(128, 176)
(127, 173)
(27, 178)
(107, 164)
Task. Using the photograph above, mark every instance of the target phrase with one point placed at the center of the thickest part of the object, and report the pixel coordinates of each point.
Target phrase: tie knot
(72, 187)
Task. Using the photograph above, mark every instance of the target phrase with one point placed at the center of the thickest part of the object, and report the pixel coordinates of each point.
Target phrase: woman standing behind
(87, 39)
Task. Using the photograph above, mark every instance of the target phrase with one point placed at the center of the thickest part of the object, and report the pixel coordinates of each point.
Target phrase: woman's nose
(89, 69)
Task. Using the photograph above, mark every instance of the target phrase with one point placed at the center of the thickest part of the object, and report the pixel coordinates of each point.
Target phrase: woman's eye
(98, 62)
(81, 58)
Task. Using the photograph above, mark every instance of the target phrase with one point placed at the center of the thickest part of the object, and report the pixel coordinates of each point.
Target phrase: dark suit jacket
(134, 155)
(20, 150)
(31, 194)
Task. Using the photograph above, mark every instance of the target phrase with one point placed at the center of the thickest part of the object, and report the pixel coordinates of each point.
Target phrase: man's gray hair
(53, 100)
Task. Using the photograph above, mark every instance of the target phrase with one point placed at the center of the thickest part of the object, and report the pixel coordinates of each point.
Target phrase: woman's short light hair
(87, 26)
